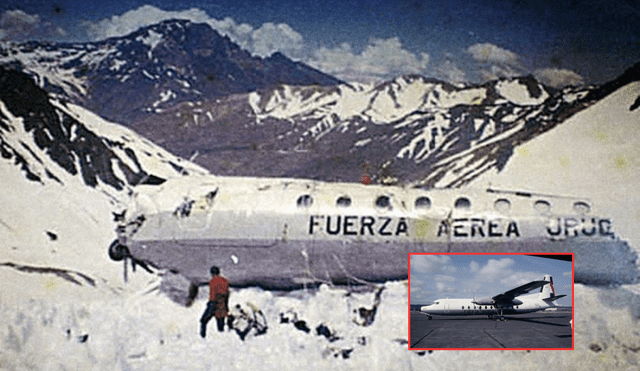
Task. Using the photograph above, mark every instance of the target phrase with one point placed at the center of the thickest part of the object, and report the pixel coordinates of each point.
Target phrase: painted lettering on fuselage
(573, 227)
(478, 228)
(353, 225)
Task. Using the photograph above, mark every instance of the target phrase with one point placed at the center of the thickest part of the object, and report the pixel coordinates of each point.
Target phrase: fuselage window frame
(343, 201)
(305, 200)
(383, 202)
(462, 203)
(423, 203)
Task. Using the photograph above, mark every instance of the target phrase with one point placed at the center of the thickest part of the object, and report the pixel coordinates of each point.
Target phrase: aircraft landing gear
(430, 318)
(501, 316)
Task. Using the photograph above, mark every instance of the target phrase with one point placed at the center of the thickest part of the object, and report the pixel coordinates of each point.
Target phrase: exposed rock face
(125, 78)
(50, 139)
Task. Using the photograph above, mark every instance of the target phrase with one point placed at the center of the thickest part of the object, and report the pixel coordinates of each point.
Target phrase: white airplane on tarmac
(505, 303)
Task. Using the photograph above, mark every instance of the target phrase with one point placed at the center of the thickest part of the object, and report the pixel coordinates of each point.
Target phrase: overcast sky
(463, 276)
(560, 42)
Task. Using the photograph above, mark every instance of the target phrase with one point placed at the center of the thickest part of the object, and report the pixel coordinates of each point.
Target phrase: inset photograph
(491, 301)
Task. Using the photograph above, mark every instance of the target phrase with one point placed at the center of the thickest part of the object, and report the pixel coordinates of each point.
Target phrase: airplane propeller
(119, 252)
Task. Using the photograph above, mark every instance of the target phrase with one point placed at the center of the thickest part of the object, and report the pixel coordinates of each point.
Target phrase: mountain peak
(156, 67)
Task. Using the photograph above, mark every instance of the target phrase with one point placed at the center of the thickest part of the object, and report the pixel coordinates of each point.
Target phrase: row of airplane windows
(487, 307)
(502, 205)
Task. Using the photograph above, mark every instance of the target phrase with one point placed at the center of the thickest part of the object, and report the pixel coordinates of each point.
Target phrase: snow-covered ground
(92, 328)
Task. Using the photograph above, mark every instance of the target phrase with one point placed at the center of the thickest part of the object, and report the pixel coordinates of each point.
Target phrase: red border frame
(573, 260)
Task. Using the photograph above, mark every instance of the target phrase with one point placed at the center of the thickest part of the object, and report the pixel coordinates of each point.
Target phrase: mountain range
(200, 96)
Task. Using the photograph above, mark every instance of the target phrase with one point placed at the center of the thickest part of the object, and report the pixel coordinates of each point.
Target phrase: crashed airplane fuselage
(283, 233)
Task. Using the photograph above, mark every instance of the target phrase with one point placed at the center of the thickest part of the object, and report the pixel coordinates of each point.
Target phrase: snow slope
(593, 154)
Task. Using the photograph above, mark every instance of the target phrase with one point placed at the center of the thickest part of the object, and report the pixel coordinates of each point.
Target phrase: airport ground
(524, 331)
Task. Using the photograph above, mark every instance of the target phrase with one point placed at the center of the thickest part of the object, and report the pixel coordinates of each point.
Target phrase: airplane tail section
(554, 298)
(547, 291)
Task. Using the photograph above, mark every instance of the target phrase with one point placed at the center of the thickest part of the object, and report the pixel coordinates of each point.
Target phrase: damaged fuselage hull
(284, 233)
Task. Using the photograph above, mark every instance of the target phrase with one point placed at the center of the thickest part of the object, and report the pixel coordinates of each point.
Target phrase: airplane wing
(509, 295)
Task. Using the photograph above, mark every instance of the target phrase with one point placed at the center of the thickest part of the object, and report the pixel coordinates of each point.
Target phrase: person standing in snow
(218, 301)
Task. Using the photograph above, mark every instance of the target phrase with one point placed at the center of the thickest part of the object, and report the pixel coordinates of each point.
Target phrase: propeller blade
(125, 269)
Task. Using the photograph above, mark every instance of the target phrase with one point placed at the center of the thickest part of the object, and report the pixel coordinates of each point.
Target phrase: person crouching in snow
(218, 301)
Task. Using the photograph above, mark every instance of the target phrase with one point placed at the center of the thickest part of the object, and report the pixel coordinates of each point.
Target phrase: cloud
(474, 266)
(567, 274)
(381, 59)
(443, 287)
(264, 41)
(558, 78)
(128, 22)
(450, 72)
(441, 277)
(490, 53)
(281, 37)
(430, 264)
(498, 62)
(495, 270)
(16, 25)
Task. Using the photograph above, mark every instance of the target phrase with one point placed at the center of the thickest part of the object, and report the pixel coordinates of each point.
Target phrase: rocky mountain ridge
(126, 78)
(409, 130)
(52, 140)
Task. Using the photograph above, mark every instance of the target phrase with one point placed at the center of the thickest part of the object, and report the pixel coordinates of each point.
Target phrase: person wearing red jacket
(218, 305)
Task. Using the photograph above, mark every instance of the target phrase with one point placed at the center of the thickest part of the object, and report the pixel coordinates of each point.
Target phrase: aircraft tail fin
(547, 291)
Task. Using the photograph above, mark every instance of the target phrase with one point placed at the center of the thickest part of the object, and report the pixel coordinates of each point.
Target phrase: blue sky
(560, 42)
(463, 276)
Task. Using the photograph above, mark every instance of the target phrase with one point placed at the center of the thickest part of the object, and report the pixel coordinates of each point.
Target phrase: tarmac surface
(550, 330)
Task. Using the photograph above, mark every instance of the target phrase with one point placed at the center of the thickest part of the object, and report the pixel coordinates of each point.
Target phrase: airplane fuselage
(466, 307)
(288, 232)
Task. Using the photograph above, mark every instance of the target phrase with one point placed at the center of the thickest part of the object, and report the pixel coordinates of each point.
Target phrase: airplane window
(468, 307)
(462, 203)
(304, 201)
(502, 205)
(423, 203)
(581, 207)
(344, 201)
(383, 202)
(542, 206)
(463, 307)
